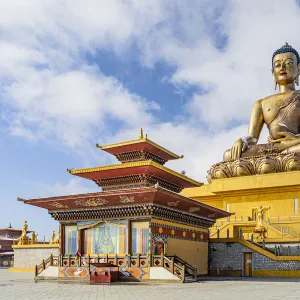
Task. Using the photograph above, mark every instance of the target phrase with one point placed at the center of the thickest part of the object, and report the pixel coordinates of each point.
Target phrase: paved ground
(21, 286)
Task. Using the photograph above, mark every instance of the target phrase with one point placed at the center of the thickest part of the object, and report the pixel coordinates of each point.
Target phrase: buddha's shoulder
(278, 97)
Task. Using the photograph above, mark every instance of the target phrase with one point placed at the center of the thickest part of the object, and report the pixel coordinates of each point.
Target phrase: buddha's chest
(276, 106)
(279, 110)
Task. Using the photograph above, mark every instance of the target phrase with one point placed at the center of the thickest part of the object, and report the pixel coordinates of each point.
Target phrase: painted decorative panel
(71, 272)
(140, 236)
(106, 238)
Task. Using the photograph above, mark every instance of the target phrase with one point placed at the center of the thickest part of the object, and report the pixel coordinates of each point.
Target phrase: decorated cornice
(139, 155)
(133, 165)
(131, 211)
(135, 181)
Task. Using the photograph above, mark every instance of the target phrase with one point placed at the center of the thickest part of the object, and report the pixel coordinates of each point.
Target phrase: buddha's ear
(275, 82)
(297, 77)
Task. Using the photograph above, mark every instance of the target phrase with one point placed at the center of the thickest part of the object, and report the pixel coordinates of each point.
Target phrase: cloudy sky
(75, 73)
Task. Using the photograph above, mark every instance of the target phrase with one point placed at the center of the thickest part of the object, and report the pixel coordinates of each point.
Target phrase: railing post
(218, 233)
(129, 259)
(43, 264)
(138, 259)
(183, 273)
(51, 260)
(173, 266)
(228, 233)
(36, 270)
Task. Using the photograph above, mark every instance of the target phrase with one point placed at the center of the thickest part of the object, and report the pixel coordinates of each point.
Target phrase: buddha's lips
(283, 73)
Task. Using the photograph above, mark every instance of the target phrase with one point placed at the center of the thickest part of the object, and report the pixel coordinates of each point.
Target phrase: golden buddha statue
(24, 239)
(281, 114)
(24, 229)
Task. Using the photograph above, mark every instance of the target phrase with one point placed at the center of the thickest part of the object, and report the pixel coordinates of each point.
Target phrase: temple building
(139, 222)
(7, 237)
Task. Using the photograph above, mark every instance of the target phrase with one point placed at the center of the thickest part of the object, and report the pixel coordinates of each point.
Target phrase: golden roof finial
(141, 133)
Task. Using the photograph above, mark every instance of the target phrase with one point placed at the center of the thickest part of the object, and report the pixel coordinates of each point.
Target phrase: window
(140, 236)
(106, 238)
(296, 206)
(70, 239)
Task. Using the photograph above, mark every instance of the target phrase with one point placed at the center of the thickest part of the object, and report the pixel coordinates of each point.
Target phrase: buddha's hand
(238, 147)
(287, 140)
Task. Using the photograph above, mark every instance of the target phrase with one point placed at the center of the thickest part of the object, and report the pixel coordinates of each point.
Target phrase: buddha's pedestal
(278, 195)
(255, 165)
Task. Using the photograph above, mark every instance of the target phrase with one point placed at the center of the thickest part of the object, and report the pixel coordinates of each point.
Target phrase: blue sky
(74, 74)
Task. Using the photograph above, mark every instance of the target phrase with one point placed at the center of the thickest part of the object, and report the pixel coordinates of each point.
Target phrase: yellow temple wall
(241, 194)
(195, 253)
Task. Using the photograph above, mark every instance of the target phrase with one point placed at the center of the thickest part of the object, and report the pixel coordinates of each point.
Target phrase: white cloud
(50, 92)
(238, 74)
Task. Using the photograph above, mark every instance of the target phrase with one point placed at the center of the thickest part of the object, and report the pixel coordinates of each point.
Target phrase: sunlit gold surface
(242, 195)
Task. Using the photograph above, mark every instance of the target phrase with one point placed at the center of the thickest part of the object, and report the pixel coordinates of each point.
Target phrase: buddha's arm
(256, 124)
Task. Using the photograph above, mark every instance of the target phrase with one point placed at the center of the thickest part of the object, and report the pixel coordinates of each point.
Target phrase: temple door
(248, 264)
(158, 248)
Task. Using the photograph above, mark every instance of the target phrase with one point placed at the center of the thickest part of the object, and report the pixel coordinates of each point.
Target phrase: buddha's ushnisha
(280, 112)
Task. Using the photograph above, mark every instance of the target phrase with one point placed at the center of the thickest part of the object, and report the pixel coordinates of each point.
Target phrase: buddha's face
(285, 68)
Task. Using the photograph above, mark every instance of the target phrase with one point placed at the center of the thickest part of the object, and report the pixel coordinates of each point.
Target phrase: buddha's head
(285, 65)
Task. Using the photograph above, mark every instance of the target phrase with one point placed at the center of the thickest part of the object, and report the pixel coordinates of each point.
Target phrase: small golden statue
(281, 114)
(58, 235)
(33, 238)
(24, 239)
(24, 229)
(53, 237)
(259, 228)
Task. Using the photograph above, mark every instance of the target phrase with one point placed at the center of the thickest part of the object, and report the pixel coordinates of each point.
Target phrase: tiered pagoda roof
(141, 166)
(137, 187)
(140, 149)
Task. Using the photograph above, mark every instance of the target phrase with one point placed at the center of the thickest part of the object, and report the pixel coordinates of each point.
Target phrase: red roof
(139, 168)
(10, 230)
(158, 196)
(142, 144)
